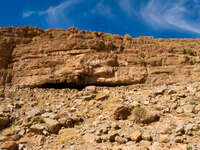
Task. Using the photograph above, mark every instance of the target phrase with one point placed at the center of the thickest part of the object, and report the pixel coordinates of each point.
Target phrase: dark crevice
(62, 86)
(76, 86)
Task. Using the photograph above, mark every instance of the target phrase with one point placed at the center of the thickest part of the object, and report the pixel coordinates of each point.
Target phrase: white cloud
(62, 14)
(171, 14)
(56, 15)
(28, 14)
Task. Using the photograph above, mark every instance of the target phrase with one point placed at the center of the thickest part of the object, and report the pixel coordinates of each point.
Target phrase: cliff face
(34, 57)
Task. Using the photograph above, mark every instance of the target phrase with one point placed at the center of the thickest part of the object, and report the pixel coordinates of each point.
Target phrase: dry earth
(83, 90)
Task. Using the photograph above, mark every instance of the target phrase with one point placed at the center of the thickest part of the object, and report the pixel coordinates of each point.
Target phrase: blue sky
(158, 18)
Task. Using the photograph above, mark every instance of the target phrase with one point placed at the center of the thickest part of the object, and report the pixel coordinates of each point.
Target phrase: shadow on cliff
(79, 87)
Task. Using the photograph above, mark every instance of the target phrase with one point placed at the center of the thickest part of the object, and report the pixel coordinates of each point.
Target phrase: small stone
(33, 112)
(179, 110)
(112, 136)
(91, 89)
(135, 104)
(188, 129)
(9, 145)
(98, 139)
(180, 128)
(158, 91)
(53, 125)
(66, 122)
(178, 139)
(22, 132)
(146, 136)
(171, 92)
(164, 138)
(73, 110)
(188, 108)
(122, 113)
(3, 138)
(156, 146)
(146, 102)
(136, 136)
(146, 144)
(120, 140)
(103, 97)
(49, 115)
(151, 117)
(37, 128)
(197, 108)
(89, 97)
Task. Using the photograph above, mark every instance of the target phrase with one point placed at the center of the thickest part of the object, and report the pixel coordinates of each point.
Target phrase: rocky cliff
(34, 57)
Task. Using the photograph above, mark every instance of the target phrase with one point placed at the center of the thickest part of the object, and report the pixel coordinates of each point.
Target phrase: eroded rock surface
(33, 57)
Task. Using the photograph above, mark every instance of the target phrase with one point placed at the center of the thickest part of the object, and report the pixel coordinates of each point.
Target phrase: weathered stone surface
(31, 56)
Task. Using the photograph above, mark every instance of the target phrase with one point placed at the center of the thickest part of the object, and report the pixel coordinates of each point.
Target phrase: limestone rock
(75, 59)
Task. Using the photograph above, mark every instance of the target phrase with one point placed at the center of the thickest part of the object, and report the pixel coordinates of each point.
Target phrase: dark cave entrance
(62, 86)
(79, 87)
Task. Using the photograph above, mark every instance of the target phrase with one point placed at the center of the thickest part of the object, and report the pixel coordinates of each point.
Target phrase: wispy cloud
(126, 6)
(28, 14)
(63, 13)
(103, 9)
(172, 15)
(158, 14)
(56, 15)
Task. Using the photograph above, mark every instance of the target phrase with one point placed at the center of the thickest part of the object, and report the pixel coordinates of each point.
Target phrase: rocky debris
(43, 118)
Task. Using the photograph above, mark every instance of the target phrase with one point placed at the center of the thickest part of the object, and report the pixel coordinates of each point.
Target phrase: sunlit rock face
(34, 57)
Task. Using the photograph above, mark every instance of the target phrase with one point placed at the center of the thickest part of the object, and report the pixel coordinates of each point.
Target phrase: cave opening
(62, 86)
(79, 87)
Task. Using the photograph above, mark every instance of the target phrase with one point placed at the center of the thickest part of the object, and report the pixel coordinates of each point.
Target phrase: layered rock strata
(34, 57)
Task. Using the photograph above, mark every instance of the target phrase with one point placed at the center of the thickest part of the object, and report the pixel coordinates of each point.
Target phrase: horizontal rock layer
(34, 57)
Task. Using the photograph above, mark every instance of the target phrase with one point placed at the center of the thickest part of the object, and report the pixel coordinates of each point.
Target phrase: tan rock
(188, 108)
(37, 128)
(146, 135)
(9, 145)
(53, 125)
(136, 135)
(164, 138)
(122, 113)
